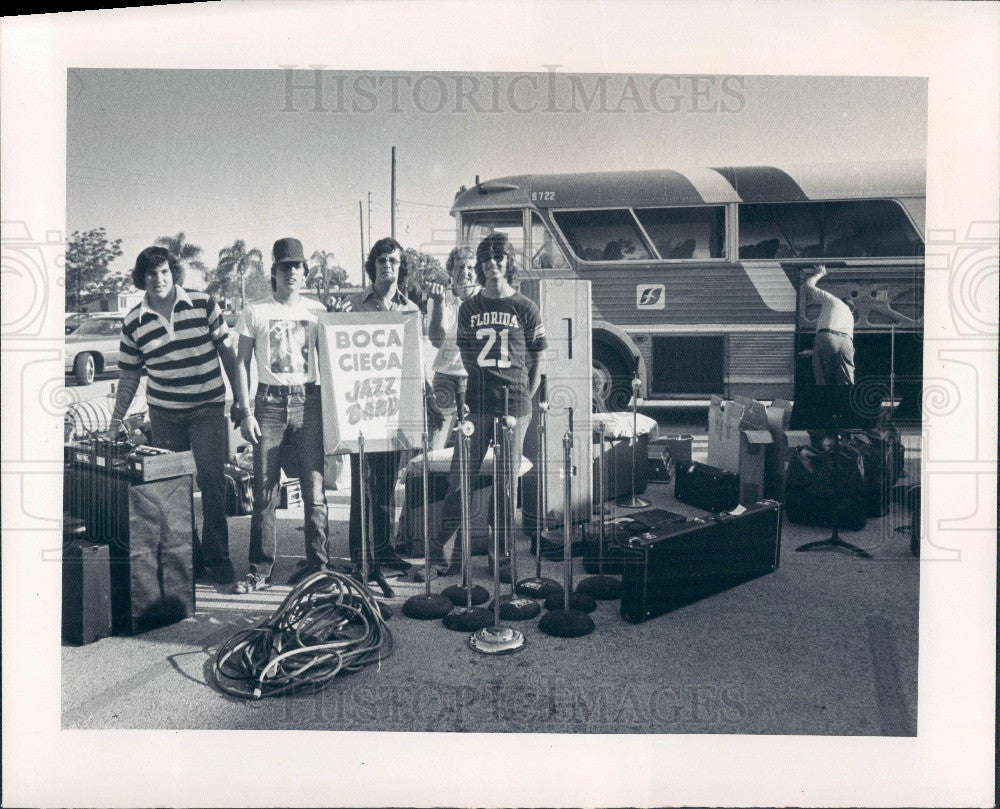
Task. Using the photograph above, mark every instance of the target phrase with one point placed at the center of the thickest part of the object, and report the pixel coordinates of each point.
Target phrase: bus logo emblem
(650, 296)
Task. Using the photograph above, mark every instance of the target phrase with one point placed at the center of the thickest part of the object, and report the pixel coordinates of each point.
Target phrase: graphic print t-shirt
(495, 337)
(284, 340)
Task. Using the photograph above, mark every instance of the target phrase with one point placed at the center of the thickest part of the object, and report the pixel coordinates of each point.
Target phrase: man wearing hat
(280, 334)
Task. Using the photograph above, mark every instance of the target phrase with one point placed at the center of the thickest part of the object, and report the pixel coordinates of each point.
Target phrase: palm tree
(238, 259)
(188, 254)
(320, 266)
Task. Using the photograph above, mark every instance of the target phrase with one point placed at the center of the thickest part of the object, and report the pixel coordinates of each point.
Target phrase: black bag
(883, 456)
(826, 487)
(707, 487)
(239, 491)
(684, 562)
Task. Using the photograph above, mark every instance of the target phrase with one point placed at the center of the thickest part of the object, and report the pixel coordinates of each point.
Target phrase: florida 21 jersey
(496, 337)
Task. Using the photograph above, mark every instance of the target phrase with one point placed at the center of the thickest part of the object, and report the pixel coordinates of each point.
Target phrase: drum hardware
(427, 605)
(632, 501)
(601, 587)
(470, 617)
(570, 621)
(498, 639)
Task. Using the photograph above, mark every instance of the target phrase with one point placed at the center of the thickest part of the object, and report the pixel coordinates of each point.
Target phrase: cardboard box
(738, 437)
(779, 453)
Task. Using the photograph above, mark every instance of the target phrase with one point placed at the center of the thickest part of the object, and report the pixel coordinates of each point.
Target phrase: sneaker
(251, 583)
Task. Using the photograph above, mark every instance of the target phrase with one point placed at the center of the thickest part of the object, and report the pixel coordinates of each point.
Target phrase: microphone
(543, 396)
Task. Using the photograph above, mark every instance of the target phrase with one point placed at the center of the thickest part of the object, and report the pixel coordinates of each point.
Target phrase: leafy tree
(188, 254)
(424, 270)
(321, 264)
(88, 255)
(236, 264)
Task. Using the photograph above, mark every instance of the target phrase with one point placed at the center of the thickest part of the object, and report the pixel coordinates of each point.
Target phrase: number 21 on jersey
(490, 336)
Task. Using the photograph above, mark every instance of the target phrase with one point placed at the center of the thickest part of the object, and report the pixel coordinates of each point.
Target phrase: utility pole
(361, 231)
(392, 197)
(369, 220)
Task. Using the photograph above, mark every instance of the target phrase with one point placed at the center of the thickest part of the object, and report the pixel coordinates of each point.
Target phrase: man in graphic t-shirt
(280, 334)
(501, 338)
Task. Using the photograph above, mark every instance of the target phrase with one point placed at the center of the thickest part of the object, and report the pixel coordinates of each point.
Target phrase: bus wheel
(612, 384)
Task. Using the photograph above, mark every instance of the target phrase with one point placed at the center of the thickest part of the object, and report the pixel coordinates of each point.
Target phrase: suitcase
(616, 535)
(86, 592)
(882, 453)
(686, 562)
(239, 491)
(707, 487)
(666, 454)
(826, 488)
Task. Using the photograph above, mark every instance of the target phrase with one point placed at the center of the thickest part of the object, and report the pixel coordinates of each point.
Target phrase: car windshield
(105, 326)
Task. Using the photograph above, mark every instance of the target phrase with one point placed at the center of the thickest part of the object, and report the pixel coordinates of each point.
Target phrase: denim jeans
(292, 424)
(203, 431)
(451, 510)
(382, 469)
(444, 406)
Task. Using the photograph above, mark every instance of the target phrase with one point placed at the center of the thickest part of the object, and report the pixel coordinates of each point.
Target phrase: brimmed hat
(288, 251)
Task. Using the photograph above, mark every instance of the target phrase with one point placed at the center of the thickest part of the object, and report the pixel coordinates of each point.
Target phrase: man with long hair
(501, 338)
(179, 337)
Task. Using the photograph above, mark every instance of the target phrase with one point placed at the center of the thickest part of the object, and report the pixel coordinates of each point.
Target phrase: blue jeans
(451, 509)
(292, 424)
(203, 431)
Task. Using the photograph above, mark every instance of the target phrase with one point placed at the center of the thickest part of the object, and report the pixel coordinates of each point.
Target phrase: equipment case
(684, 562)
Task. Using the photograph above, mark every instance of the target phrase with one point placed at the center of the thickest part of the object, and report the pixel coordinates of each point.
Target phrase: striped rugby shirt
(181, 358)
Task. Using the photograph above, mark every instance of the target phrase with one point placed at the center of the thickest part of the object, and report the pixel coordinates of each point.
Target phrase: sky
(261, 154)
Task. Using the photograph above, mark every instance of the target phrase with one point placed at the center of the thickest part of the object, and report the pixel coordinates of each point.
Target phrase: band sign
(369, 369)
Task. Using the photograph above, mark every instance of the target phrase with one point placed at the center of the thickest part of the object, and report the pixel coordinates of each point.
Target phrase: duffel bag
(826, 487)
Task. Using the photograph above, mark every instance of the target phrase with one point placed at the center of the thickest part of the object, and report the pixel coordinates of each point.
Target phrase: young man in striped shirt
(179, 338)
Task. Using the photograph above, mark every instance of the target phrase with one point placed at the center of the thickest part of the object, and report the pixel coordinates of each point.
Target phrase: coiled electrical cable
(327, 624)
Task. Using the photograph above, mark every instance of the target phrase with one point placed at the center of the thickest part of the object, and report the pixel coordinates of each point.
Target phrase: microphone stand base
(538, 588)
(425, 607)
(578, 602)
(566, 624)
(458, 595)
(463, 619)
(601, 588)
(633, 502)
(497, 640)
(516, 608)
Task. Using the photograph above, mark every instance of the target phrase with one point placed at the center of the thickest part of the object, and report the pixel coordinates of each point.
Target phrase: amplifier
(153, 463)
(86, 592)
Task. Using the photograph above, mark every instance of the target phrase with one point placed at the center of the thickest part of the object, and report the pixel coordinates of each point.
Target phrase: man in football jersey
(501, 339)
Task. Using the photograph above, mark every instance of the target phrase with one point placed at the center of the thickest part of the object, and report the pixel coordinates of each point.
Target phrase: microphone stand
(601, 587)
(375, 573)
(633, 501)
(834, 540)
(539, 586)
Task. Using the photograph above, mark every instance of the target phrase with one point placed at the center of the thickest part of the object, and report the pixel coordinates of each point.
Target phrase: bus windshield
(545, 251)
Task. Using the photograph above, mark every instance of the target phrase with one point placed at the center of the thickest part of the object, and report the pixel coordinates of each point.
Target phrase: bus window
(546, 253)
(477, 225)
(679, 233)
(842, 229)
(603, 235)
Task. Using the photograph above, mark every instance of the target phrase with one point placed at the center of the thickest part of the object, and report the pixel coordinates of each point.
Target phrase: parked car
(93, 347)
(74, 319)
